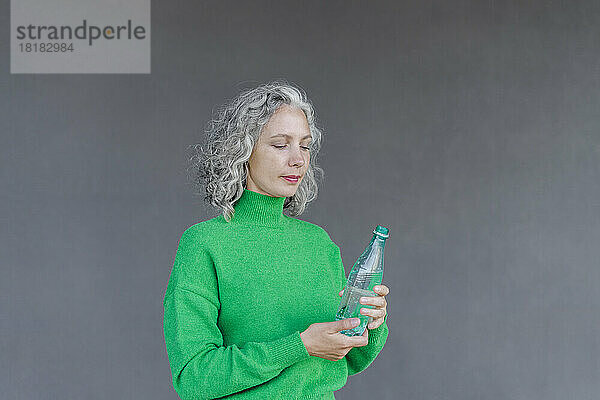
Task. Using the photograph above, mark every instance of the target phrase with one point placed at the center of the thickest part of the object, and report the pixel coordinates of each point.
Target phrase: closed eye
(282, 146)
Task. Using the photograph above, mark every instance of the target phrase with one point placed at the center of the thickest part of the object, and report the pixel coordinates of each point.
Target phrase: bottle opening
(381, 231)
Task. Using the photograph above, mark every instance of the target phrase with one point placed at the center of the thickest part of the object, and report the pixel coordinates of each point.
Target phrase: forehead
(287, 136)
(287, 122)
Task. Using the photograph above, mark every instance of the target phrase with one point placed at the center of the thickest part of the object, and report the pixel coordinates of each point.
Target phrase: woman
(251, 300)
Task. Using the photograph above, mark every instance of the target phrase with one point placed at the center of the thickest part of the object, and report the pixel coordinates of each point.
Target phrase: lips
(291, 178)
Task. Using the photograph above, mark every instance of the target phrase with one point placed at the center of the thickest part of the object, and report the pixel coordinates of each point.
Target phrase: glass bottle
(366, 273)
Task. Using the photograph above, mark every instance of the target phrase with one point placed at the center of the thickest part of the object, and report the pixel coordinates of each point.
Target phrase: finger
(357, 341)
(378, 301)
(382, 290)
(373, 312)
(375, 323)
(340, 293)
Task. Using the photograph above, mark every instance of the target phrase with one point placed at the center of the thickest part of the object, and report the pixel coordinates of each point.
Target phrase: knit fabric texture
(238, 297)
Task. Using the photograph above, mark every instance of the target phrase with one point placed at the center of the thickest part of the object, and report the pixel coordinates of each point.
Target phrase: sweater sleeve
(359, 358)
(201, 366)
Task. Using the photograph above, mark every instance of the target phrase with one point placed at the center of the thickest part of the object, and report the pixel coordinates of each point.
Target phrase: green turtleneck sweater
(238, 296)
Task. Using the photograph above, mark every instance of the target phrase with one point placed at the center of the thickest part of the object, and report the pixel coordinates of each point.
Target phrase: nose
(296, 158)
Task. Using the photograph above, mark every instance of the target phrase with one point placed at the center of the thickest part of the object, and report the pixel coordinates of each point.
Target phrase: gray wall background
(470, 128)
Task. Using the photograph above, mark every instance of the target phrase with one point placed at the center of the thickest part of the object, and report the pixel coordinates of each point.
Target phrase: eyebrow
(288, 136)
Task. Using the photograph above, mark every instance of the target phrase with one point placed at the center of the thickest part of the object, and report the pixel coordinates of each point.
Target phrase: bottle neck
(377, 240)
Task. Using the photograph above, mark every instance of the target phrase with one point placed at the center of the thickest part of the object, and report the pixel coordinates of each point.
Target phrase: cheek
(276, 158)
(269, 162)
(262, 156)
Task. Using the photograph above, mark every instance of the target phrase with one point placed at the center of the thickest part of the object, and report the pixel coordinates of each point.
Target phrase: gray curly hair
(221, 166)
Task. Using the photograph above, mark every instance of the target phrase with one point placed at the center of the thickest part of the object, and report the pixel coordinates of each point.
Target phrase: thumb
(344, 324)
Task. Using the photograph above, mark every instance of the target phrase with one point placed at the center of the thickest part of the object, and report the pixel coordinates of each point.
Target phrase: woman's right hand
(324, 340)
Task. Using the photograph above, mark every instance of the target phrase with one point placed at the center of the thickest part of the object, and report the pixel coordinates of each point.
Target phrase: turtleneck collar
(261, 209)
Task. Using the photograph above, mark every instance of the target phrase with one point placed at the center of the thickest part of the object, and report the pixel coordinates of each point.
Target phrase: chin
(287, 192)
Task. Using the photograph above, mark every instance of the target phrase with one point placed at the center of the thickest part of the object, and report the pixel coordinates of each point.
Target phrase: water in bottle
(366, 273)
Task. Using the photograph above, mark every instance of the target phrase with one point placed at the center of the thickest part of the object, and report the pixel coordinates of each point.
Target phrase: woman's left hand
(380, 306)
